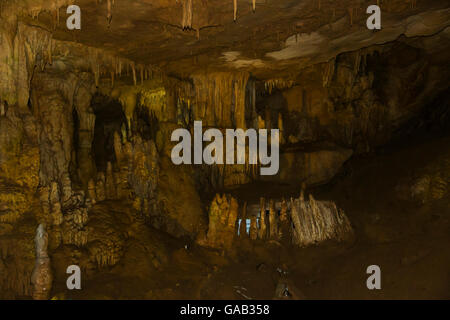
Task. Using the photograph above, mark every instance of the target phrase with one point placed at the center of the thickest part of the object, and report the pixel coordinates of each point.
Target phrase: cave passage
(109, 118)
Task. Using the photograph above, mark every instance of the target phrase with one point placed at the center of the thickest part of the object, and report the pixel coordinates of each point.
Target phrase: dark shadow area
(109, 119)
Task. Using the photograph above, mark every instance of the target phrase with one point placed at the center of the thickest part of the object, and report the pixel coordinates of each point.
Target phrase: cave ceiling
(279, 37)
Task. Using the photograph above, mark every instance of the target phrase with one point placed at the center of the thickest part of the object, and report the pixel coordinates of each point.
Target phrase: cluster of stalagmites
(300, 222)
(316, 221)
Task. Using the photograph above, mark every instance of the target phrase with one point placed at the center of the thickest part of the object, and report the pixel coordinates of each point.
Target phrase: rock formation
(317, 221)
(222, 215)
(42, 274)
(303, 223)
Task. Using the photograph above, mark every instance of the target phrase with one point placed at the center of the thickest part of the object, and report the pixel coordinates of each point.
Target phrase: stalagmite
(273, 223)
(253, 228)
(262, 232)
(109, 14)
(134, 73)
(42, 274)
(243, 225)
(186, 22)
(317, 221)
(284, 226)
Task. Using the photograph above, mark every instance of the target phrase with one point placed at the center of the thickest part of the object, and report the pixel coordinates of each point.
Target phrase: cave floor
(408, 240)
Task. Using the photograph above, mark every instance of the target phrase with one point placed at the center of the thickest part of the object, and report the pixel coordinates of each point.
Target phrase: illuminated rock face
(317, 221)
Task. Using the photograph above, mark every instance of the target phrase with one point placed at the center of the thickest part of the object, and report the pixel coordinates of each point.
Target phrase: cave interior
(86, 170)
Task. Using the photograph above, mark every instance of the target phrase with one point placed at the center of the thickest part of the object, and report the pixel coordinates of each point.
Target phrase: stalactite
(254, 5)
(279, 83)
(261, 123)
(235, 9)
(186, 22)
(253, 228)
(284, 228)
(109, 14)
(273, 224)
(350, 13)
(215, 93)
(281, 127)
